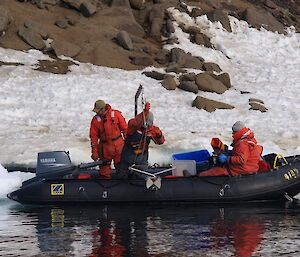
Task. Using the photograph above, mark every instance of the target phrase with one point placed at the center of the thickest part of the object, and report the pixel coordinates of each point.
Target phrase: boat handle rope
(154, 175)
(152, 181)
(275, 161)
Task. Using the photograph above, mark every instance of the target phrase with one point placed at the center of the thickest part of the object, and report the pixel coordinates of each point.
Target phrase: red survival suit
(137, 141)
(107, 133)
(245, 156)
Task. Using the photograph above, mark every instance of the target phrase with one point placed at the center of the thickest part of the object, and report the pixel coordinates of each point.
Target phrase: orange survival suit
(107, 133)
(137, 141)
(245, 156)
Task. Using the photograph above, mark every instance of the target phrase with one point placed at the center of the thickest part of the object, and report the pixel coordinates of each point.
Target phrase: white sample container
(181, 165)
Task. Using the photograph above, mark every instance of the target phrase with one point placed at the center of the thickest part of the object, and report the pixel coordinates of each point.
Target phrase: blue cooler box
(199, 156)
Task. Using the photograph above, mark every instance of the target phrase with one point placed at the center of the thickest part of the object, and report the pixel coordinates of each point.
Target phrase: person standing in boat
(139, 135)
(245, 154)
(107, 131)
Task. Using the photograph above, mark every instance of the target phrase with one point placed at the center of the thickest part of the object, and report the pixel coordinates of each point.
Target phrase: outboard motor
(53, 164)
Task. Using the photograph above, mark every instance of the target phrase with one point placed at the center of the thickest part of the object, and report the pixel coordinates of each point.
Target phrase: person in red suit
(107, 131)
(245, 155)
(141, 132)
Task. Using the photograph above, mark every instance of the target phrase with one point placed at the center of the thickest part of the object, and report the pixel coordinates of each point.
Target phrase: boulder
(188, 77)
(65, 48)
(141, 60)
(189, 86)
(251, 100)
(219, 15)
(61, 23)
(184, 60)
(172, 67)
(73, 3)
(202, 39)
(156, 27)
(196, 12)
(154, 75)
(124, 40)
(137, 4)
(210, 105)
(210, 66)
(261, 18)
(157, 11)
(161, 56)
(257, 107)
(225, 79)
(178, 56)
(192, 62)
(170, 26)
(32, 38)
(37, 27)
(5, 18)
(169, 83)
(207, 83)
(87, 9)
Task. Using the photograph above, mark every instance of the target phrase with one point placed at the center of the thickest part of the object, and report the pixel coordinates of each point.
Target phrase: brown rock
(154, 75)
(124, 40)
(32, 38)
(260, 18)
(255, 100)
(202, 39)
(189, 86)
(170, 26)
(207, 83)
(210, 66)
(65, 48)
(210, 105)
(257, 107)
(37, 28)
(141, 60)
(169, 83)
(188, 77)
(87, 9)
(63, 24)
(219, 15)
(225, 79)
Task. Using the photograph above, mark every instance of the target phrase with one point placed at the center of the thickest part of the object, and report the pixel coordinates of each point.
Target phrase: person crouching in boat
(245, 154)
(139, 135)
(107, 131)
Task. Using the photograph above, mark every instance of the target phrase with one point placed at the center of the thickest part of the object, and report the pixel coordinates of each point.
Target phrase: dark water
(150, 230)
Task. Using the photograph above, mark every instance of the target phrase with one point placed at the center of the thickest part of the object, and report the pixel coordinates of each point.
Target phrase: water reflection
(151, 230)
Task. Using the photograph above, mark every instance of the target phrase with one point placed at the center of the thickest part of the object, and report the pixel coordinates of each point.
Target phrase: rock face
(131, 34)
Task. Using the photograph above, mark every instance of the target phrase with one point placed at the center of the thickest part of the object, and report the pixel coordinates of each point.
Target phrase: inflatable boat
(57, 180)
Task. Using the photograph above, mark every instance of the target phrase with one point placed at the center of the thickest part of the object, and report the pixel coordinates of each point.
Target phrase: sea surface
(264, 229)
